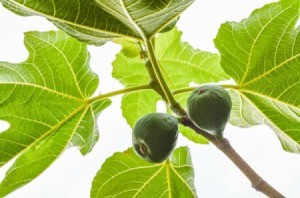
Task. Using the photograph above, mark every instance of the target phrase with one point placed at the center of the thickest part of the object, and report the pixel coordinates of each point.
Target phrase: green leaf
(98, 21)
(45, 101)
(181, 64)
(262, 54)
(170, 26)
(138, 104)
(241, 107)
(130, 48)
(127, 175)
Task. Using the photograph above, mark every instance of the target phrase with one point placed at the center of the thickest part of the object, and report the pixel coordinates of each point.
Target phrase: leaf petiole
(119, 92)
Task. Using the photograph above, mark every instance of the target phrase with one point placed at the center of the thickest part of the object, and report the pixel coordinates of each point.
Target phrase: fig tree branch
(222, 144)
(258, 183)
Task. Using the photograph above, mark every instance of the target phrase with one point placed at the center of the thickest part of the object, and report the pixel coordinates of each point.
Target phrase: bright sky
(216, 177)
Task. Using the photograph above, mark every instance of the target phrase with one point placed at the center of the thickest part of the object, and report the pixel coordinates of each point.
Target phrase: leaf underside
(127, 175)
(44, 99)
(98, 21)
(262, 55)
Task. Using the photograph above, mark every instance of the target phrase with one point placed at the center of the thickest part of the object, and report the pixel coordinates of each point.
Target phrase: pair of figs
(155, 135)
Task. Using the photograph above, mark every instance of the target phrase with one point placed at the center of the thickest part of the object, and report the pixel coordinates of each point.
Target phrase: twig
(258, 183)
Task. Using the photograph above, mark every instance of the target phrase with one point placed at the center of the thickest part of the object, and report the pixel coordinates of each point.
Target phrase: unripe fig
(154, 136)
(209, 108)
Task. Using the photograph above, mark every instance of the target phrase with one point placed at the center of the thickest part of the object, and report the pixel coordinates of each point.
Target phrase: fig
(154, 136)
(209, 107)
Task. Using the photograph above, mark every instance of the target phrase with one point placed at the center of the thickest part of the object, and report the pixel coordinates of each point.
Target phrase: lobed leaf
(127, 175)
(45, 101)
(98, 21)
(262, 54)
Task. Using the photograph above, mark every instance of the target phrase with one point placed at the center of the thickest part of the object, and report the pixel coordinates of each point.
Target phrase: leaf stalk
(118, 92)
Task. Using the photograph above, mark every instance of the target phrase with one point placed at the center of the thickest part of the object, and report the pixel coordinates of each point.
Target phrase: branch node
(185, 120)
(225, 144)
(258, 185)
(177, 109)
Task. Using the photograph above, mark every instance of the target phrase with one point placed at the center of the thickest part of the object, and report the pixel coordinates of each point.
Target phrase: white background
(215, 176)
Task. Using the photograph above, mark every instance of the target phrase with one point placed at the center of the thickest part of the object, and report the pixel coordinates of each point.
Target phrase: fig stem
(258, 183)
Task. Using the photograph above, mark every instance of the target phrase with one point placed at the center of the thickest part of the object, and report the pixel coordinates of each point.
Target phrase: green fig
(154, 136)
(209, 108)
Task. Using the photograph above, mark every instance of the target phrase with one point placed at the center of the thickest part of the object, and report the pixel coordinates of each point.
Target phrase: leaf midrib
(168, 175)
(148, 181)
(266, 96)
(43, 88)
(114, 12)
(256, 39)
(116, 34)
(125, 171)
(265, 116)
(271, 70)
(131, 20)
(28, 119)
(183, 180)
